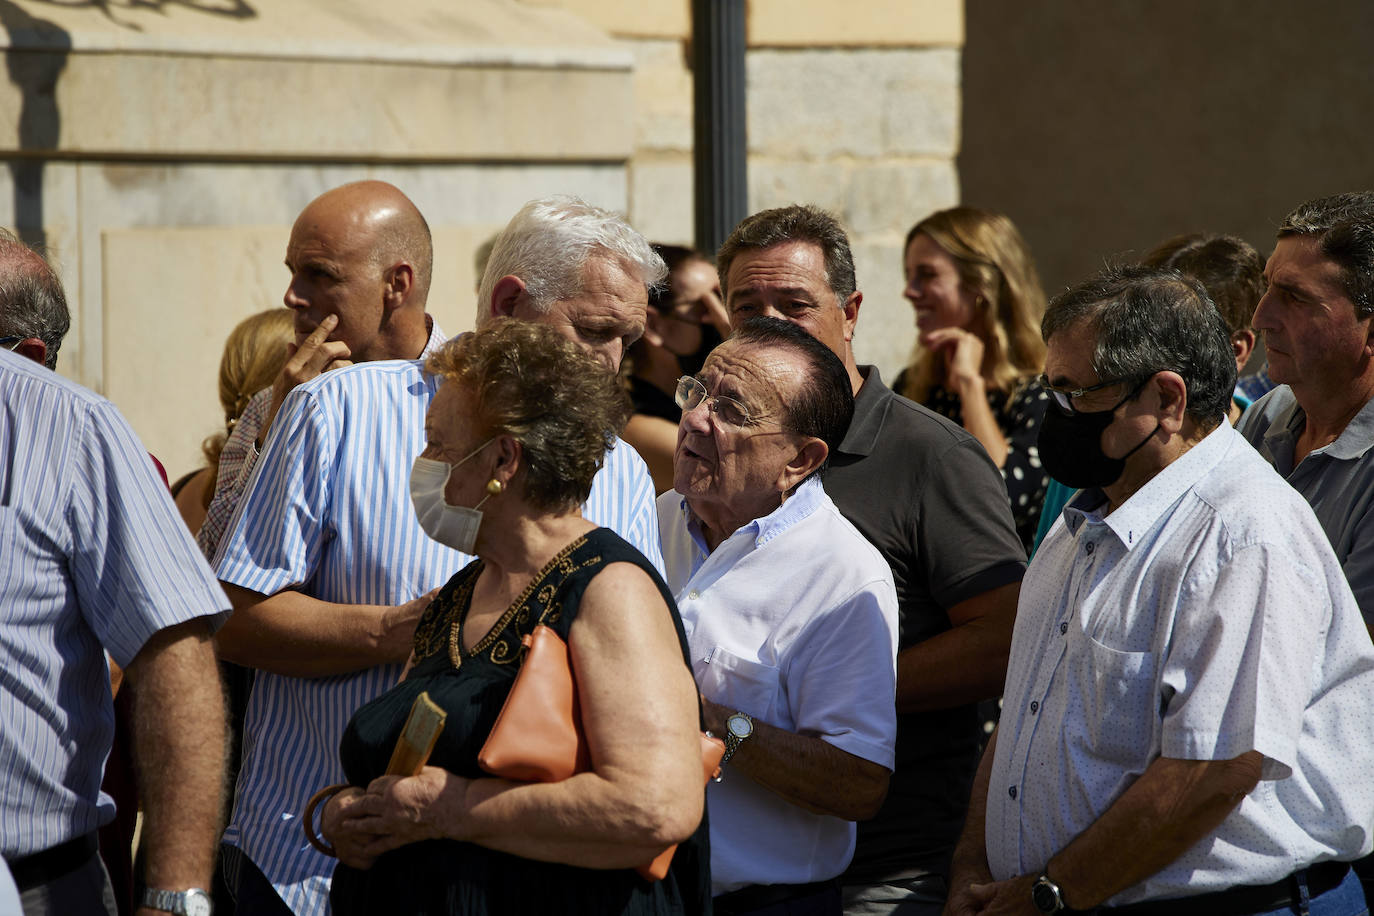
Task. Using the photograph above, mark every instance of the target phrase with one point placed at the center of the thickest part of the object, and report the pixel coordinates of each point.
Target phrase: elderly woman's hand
(339, 828)
(396, 811)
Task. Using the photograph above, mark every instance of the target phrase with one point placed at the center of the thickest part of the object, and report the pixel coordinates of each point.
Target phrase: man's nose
(697, 419)
(291, 299)
(1261, 319)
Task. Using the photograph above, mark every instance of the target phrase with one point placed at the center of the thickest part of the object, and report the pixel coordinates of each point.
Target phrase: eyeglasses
(690, 394)
(1064, 397)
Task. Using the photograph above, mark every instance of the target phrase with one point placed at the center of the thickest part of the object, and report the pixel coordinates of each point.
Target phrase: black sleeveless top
(446, 876)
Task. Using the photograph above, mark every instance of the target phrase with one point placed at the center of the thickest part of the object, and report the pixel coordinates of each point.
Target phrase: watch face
(197, 904)
(1044, 898)
(739, 726)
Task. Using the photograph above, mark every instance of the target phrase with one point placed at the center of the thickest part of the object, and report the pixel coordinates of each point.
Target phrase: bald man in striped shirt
(326, 564)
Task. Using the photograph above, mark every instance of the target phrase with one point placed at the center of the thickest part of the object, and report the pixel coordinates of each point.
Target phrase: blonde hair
(254, 353)
(995, 265)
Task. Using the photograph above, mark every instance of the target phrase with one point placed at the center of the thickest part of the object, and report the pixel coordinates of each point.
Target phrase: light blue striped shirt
(328, 512)
(93, 557)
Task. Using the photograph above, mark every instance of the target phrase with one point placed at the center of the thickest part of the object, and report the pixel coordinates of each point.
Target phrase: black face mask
(1070, 446)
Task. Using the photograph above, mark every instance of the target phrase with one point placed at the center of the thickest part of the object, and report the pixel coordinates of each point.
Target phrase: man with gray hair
(1186, 724)
(33, 308)
(1317, 427)
(327, 565)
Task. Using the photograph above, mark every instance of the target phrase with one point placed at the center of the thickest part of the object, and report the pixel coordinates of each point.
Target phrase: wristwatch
(1046, 895)
(738, 726)
(190, 902)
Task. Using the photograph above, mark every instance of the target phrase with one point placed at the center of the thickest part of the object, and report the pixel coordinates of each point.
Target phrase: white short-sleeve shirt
(1206, 617)
(792, 620)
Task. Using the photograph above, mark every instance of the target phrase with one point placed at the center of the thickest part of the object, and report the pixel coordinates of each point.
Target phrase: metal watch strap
(732, 740)
(177, 902)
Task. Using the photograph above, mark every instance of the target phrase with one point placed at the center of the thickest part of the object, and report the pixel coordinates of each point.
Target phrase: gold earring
(494, 487)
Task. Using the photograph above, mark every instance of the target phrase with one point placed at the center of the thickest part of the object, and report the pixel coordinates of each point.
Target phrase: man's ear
(1243, 345)
(851, 313)
(506, 296)
(34, 348)
(1173, 400)
(810, 456)
(400, 280)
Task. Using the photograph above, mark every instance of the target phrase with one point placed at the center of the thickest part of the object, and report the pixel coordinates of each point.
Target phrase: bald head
(394, 229)
(362, 251)
(33, 308)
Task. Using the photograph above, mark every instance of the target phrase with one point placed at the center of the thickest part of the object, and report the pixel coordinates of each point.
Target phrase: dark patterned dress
(1019, 416)
(446, 876)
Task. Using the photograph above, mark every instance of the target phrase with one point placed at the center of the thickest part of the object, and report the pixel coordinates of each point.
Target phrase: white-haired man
(327, 565)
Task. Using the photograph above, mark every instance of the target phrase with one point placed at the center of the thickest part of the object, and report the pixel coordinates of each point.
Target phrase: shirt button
(1063, 627)
(1089, 548)
(694, 594)
(1035, 706)
(1012, 792)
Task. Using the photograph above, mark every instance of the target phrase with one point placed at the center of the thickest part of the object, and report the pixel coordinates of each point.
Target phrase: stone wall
(855, 108)
(161, 149)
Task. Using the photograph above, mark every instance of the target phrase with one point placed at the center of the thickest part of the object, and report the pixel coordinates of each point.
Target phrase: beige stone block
(227, 107)
(777, 182)
(661, 205)
(887, 328)
(399, 31)
(812, 104)
(638, 18)
(662, 96)
(834, 102)
(891, 197)
(873, 22)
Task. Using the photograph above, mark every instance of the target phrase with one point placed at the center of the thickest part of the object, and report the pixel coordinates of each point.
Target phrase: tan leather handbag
(538, 735)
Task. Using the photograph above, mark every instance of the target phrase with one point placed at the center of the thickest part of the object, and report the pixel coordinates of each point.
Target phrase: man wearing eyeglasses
(791, 619)
(924, 492)
(1186, 725)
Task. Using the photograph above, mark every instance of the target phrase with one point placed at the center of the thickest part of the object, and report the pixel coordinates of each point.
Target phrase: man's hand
(315, 355)
(1000, 898)
(398, 626)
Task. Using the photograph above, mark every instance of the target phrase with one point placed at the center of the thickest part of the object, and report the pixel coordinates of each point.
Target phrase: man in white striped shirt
(328, 567)
(94, 561)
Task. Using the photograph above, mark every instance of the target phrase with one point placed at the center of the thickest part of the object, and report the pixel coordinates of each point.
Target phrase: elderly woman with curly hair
(515, 434)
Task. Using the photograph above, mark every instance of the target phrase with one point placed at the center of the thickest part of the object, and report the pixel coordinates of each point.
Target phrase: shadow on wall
(232, 9)
(35, 57)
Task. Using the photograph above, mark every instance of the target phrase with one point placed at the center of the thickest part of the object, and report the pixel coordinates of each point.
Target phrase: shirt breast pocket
(739, 683)
(1120, 705)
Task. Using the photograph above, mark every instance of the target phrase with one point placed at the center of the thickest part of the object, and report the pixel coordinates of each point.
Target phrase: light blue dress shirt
(93, 557)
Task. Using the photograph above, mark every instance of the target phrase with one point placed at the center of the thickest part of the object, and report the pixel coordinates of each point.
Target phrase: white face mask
(452, 526)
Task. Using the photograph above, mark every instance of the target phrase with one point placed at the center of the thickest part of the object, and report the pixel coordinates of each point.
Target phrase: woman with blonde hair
(254, 353)
(978, 302)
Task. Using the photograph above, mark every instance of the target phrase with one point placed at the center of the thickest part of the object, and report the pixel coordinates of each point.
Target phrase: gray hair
(32, 303)
(1343, 226)
(1148, 320)
(548, 243)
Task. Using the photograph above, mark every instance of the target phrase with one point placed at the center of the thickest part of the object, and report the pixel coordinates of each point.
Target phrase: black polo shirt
(925, 493)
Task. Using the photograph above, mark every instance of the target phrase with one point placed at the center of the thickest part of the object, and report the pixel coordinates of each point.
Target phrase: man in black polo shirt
(924, 492)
